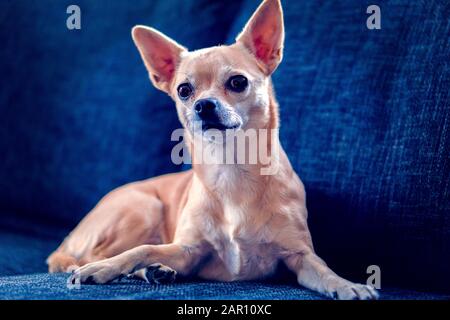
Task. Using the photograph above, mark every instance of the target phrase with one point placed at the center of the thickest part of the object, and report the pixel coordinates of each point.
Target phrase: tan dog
(218, 221)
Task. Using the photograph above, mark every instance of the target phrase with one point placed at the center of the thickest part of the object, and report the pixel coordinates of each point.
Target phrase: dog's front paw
(97, 273)
(156, 273)
(345, 290)
(161, 274)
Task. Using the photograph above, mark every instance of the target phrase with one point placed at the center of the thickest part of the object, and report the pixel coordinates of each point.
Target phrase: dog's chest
(243, 247)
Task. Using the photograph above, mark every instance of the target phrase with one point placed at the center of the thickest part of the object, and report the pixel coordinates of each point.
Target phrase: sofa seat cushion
(24, 254)
(54, 286)
(23, 276)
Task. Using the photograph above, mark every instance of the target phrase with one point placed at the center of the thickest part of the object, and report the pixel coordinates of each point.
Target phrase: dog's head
(225, 87)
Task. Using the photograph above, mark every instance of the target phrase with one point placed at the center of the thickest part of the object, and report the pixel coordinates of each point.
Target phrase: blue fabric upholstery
(48, 286)
(24, 254)
(364, 119)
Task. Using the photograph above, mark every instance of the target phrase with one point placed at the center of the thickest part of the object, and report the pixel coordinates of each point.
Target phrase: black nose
(206, 109)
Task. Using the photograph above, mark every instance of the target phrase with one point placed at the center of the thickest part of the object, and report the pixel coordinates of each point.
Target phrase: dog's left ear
(263, 35)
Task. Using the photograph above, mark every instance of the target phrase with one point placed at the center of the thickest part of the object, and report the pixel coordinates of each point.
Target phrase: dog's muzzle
(213, 115)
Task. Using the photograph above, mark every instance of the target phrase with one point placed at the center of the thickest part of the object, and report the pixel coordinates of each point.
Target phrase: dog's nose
(206, 109)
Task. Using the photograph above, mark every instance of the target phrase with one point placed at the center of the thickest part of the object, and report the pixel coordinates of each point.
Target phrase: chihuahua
(224, 222)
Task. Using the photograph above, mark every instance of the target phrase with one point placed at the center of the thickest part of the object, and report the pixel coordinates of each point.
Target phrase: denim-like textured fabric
(24, 255)
(365, 122)
(364, 117)
(47, 286)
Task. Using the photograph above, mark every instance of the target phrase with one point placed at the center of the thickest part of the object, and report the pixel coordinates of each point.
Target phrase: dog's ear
(264, 35)
(161, 55)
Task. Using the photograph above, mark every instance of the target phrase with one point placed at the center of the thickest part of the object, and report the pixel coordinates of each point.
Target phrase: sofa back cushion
(79, 116)
(364, 120)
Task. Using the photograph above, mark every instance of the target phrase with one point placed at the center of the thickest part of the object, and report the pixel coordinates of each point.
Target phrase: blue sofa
(364, 119)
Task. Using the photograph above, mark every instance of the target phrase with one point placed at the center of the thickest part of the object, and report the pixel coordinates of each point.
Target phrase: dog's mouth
(219, 126)
(227, 124)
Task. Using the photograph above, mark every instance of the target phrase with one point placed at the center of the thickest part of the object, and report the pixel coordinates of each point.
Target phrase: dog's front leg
(181, 258)
(314, 274)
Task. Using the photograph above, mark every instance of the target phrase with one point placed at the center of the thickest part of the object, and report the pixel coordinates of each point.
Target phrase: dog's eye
(184, 91)
(237, 83)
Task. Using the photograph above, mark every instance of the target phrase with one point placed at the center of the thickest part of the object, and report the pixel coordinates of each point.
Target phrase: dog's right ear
(161, 55)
